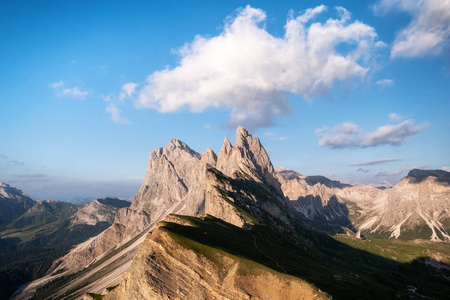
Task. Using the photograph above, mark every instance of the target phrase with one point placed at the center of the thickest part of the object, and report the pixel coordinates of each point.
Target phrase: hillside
(45, 232)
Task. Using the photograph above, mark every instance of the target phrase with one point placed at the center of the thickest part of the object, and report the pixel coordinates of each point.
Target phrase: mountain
(13, 203)
(417, 207)
(231, 226)
(46, 231)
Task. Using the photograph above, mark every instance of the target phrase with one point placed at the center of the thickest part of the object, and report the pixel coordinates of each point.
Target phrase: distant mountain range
(231, 226)
(34, 233)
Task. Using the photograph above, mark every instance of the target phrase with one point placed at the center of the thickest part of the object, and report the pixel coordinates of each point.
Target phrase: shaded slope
(261, 251)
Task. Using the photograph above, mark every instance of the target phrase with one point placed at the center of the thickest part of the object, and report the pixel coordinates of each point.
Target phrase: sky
(358, 91)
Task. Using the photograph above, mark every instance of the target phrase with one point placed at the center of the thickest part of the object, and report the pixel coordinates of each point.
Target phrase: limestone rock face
(248, 157)
(164, 268)
(313, 196)
(95, 211)
(13, 203)
(417, 207)
(173, 184)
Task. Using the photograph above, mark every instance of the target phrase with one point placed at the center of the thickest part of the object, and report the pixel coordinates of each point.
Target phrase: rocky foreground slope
(243, 221)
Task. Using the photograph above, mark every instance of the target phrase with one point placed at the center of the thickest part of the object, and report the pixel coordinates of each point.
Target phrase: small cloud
(207, 126)
(346, 135)
(392, 134)
(395, 117)
(362, 170)
(382, 83)
(107, 98)
(11, 162)
(56, 85)
(272, 136)
(340, 136)
(446, 169)
(115, 114)
(73, 92)
(34, 177)
(401, 171)
(127, 90)
(376, 162)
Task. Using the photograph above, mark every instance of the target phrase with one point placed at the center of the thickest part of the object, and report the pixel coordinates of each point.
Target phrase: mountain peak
(246, 156)
(417, 175)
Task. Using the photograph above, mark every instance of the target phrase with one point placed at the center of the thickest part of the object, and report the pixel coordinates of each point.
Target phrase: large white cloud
(348, 134)
(248, 70)
(429, 30)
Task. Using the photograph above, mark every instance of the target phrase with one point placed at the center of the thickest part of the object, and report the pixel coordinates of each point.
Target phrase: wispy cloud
(347, 135)
(382, 83)
(248, 70)
(11, 162)
(115, 112)
(273, 137)
(340, 136)
(401, 171)
(127, 90)
(362, 170)
(395, 117)
(427, 33)
(73, 92)
(375, 162)
(33, 177)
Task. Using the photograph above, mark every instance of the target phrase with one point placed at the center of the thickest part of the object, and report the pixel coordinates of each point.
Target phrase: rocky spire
(246, 158)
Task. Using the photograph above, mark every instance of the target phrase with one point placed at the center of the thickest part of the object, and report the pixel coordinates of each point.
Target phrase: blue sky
(357, 91)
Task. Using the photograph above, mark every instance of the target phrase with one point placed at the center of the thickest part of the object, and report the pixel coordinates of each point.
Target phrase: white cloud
(446, 169)
(392, 134)
(385, 82)
(248, 70)
(73, 92)
(376, 162)
(207, 126)
(395, 117)
(56, 85)
(127, 90)
(347, 135)
(427, 33)
(273, 137)
(340, 136)
(115, 114)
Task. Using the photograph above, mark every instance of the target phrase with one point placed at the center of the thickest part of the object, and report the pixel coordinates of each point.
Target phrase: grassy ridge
(315, 260)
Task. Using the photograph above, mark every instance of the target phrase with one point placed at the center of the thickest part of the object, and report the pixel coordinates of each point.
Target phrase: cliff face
(168, 266)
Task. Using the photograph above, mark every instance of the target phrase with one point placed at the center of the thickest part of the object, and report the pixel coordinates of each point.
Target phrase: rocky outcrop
(99, 210)
(166, 267)
(13, 203)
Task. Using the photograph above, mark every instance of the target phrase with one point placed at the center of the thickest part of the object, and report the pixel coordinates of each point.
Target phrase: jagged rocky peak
(247, 156)
(209, 157)
(417, 175)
